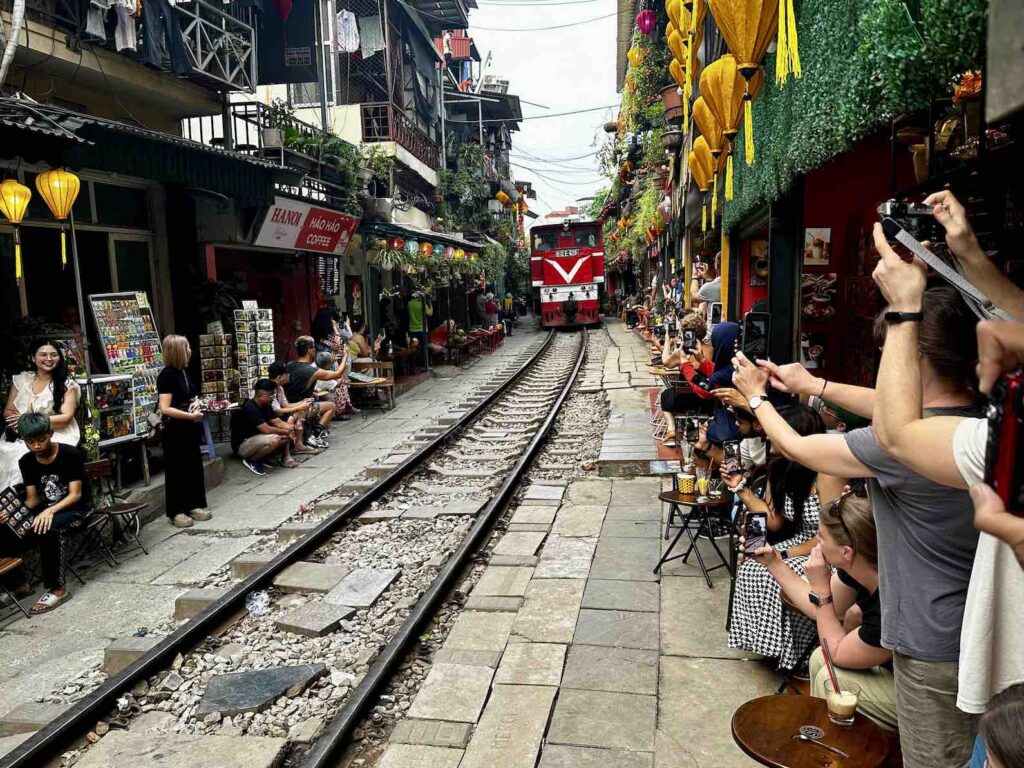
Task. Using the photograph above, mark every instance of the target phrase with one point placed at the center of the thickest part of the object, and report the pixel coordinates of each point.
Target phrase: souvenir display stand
(254, 335)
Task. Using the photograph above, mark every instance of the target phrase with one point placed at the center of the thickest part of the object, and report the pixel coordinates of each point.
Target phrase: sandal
(48, 602)
(290, 464)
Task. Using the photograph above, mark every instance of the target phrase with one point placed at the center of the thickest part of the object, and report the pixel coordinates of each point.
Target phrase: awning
(62, 137)
(407, 231)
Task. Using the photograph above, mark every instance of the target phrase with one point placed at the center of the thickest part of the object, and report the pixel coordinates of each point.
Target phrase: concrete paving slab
(129, 749)
(203, 564)
(534, 515)
(579, 520)
(620, 629)
(558, 756)
(642, 510)
(685, 709)
(290, 532)
(511, 729)
(315, 578)
(501, 581)
(610, 595)
(253, 691)
(477, 631)
(623, 570)
(455, 656)
(688, 608)
(161, 558)
(455, 692)
(515, 560)
(565, 558)
(241, 515)
(8, 743)
(489, 603)
(589, 492)
(544, 492)
(371, 516)
(550, 611)
(622, 670)
(313, 619)
(30, 717)
(632, 550)
(420, 756)
(197, 600)
(519, 543)
(602, 719)
(449, 490)
(531, 664)
(362, 587)
(244, 566)
(431, 733)
(528, 528)
(635, 529)
(126, 650)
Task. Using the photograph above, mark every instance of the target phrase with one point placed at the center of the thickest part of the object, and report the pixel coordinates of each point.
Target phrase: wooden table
(700, 511)
(764, 728)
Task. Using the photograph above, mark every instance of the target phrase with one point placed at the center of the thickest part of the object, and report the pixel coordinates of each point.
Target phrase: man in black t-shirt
(55, 492)
(257, 434)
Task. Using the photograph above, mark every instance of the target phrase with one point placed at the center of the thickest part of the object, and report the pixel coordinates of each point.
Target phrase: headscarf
(723, 349)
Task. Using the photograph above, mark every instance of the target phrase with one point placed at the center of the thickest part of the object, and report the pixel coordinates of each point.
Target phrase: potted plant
(672, 140)
(673, 103)
(279, 115)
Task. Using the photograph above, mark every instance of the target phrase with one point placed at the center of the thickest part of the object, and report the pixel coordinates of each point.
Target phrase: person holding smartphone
(705, 375)
(691, 329)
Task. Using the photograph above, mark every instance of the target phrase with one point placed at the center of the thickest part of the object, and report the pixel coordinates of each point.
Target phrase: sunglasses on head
(856, 488)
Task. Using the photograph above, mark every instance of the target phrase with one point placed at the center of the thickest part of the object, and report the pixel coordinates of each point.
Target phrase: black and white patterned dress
(760, 622)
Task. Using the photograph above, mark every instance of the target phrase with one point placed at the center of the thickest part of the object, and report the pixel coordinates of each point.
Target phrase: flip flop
(289, 464)
(48, 602)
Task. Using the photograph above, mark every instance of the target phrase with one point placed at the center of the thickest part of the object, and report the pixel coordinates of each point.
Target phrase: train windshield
(544, 241)
(586, 237)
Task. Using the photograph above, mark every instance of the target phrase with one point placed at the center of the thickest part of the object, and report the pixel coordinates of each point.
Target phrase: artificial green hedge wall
(863, 62)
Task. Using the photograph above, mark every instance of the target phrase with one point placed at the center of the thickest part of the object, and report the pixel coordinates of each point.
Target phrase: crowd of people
(883, 541)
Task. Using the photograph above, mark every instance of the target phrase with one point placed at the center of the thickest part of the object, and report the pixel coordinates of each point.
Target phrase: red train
(567, 268)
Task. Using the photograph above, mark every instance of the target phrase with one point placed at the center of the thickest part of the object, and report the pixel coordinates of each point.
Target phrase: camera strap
(979, 303)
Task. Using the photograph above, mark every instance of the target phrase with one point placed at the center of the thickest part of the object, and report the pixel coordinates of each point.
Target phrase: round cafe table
(764, 728)
(701, 510)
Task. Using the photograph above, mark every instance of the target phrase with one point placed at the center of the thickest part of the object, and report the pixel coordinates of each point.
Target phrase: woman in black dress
(184, 483)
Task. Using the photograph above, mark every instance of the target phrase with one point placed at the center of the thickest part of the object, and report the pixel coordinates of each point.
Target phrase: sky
(564, 69)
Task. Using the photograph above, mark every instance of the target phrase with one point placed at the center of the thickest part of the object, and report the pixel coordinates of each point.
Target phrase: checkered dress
(760, 622)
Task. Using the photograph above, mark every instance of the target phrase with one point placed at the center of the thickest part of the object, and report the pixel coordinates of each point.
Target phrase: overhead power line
(511, 29)
(560, 181)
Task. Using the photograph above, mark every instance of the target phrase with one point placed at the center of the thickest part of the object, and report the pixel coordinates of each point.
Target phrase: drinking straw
(830, 666)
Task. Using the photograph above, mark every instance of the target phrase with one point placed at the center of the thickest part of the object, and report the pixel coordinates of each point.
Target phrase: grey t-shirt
(711, 291)
(926, 545)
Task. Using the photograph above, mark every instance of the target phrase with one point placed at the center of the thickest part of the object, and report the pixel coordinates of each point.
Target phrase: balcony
(219, 39)
(385, 122)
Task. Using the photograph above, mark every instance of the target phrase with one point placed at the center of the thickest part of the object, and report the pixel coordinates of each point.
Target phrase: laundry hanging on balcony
(371, 38)
(348, 31)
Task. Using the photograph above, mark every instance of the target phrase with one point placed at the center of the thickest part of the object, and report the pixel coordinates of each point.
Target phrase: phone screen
(689, 339)
(733, 462)
(755, 335)
(692, 430)
(702, 381)
(755, 532)
(715, 315)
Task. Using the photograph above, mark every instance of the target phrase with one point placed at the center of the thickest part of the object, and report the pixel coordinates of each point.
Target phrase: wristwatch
(756, 401)
(819, 601)
(903, 317)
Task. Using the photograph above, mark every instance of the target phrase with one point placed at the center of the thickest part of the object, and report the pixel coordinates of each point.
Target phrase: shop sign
(294, 225)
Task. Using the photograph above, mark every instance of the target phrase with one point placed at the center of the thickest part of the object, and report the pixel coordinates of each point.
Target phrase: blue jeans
(979, 755)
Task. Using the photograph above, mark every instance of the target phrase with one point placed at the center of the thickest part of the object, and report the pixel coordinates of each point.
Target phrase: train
(567, 271)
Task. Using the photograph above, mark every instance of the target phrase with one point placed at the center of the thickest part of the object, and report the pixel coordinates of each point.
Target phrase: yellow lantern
(59, 189)
(676, 70)
(459, 254)
(701, 173)
(502, 197)
(14, 199)
(693, 24)
(724, 89)
(635, 56)
(676, 44)
(674, 9)
(748, 27)
(709, 126)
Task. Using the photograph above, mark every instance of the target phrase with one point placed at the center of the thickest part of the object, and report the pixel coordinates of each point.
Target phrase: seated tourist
(55, 492)
(303, 375)
(258, 435)
(845, 605)
(359, 347)
(1001, 731)
(298, 415)
(437, 341)
(336, 389)
(792, 502)
(673, 401)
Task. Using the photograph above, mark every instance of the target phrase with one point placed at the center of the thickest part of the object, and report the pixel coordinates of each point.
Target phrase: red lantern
(398, 244)
(646, 21)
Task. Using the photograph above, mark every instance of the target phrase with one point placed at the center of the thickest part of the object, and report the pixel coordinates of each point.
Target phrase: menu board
(131, 344)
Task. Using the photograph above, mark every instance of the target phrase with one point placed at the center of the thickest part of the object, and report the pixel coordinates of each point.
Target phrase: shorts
(256, 444)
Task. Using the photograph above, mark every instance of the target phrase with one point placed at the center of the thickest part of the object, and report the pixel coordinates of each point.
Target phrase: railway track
(495, 442)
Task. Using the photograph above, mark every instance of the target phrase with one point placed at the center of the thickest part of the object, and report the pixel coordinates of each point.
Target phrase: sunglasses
(856, 488)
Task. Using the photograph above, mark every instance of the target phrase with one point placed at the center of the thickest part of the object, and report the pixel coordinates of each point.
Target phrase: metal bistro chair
(8, 564)
(123, 518)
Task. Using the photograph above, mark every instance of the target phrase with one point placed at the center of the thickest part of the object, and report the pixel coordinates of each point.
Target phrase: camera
(917, 219)
(1004, 468)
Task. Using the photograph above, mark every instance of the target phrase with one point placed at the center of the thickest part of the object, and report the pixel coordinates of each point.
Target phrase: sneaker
(200, 515)
(182, 520)
(255, 467)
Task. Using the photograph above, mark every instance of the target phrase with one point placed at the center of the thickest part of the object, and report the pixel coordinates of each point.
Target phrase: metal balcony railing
(385, 122)
(220, 41)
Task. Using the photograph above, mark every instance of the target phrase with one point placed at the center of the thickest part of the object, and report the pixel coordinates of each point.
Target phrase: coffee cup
(842, 704)
(685, 483)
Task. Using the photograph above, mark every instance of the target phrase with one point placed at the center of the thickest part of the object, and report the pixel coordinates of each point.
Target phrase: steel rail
(61, 733)
(325, 749)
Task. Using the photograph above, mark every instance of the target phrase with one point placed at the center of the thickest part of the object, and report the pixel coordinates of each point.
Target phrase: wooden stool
(8, 564)
(764, 729)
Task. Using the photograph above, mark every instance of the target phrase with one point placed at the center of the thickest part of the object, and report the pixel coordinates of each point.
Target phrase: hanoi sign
(297, 226)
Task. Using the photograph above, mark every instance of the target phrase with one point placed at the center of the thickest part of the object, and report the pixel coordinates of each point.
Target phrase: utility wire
(559, 181)
(544, 117)
(511, 29)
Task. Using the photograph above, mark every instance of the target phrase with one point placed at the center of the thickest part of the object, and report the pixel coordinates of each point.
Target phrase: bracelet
(821, 395)
(740, 486)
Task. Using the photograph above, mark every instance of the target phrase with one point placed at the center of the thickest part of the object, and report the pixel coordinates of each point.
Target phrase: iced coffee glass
(842, 705)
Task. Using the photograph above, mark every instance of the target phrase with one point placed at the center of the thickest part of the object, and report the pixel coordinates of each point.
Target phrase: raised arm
(794, 379)
(924, 445)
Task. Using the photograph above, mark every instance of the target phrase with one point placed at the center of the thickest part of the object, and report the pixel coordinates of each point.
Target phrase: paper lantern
(709, 127)
(502, 197)
(426, 249)
(449, 252)
(691, 19)
(676, 70)
(701, 174)
(397, 243)
(411, 247)
(59, 190)
(14, 199)
(676, 45)
(635, 56)
(748, 27)
(460, 254)
(646, 20)
(674, 9)
(725, 91)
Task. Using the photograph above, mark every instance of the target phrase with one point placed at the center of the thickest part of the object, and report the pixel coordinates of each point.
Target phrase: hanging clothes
(348, 31)
(124, 32)
(370, 35)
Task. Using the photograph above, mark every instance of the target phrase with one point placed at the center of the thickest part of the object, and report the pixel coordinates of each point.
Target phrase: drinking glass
(842, 706)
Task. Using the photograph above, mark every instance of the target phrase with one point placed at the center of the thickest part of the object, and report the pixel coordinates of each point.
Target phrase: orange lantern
(14, 199)
(674, 9)
(676, 44)
(711, 133)
(724, 89)
(59, 189)
(748, 27)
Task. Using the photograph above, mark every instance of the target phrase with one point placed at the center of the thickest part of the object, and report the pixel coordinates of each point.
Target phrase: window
(544, 241)
(586, 237)
(308, 94)
(121, 206)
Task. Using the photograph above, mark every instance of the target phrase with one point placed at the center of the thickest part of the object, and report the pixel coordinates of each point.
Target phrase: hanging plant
(389, 258)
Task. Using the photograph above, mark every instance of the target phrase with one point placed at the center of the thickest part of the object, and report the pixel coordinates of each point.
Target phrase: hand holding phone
(689, 340)
(732, 464)
(702, 381)
(755, 532)
(1004, 470)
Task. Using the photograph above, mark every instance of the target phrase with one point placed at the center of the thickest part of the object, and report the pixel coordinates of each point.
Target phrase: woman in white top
(46, 389)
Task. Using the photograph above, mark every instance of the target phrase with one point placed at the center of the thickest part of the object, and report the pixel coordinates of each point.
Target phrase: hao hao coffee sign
(294, 225)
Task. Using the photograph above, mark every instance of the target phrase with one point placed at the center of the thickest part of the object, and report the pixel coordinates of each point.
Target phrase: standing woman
(184, 483)
(45, 389)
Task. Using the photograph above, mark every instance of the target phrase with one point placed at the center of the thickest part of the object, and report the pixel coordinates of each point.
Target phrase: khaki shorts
(256, 444)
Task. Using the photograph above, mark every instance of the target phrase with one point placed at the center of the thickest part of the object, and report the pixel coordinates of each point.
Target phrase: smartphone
(756, 326)
(689, 340)
(733, 462)
(1004, 468)
(715, 313)
(702, 381)
(755, 532)
(691, 431)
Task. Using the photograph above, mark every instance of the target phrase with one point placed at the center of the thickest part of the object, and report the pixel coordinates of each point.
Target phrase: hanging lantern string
(714, 200)
(787, 53)
(748, 131)
(728, 177)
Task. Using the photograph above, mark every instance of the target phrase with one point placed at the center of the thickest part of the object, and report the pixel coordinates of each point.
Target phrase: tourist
(326, 332)
(47, 389)
(303, 375)
(480, 302)
(926, 536)
(847, 543)
(184, 478)
(258, 434)
(56, 493)
(706, 285)
(718, 372)
(792, 501)
(491, 311)
(296, 415)
(674, 401)
(359, 348)
(419, 309)
(1002, 731)
(335, 389)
